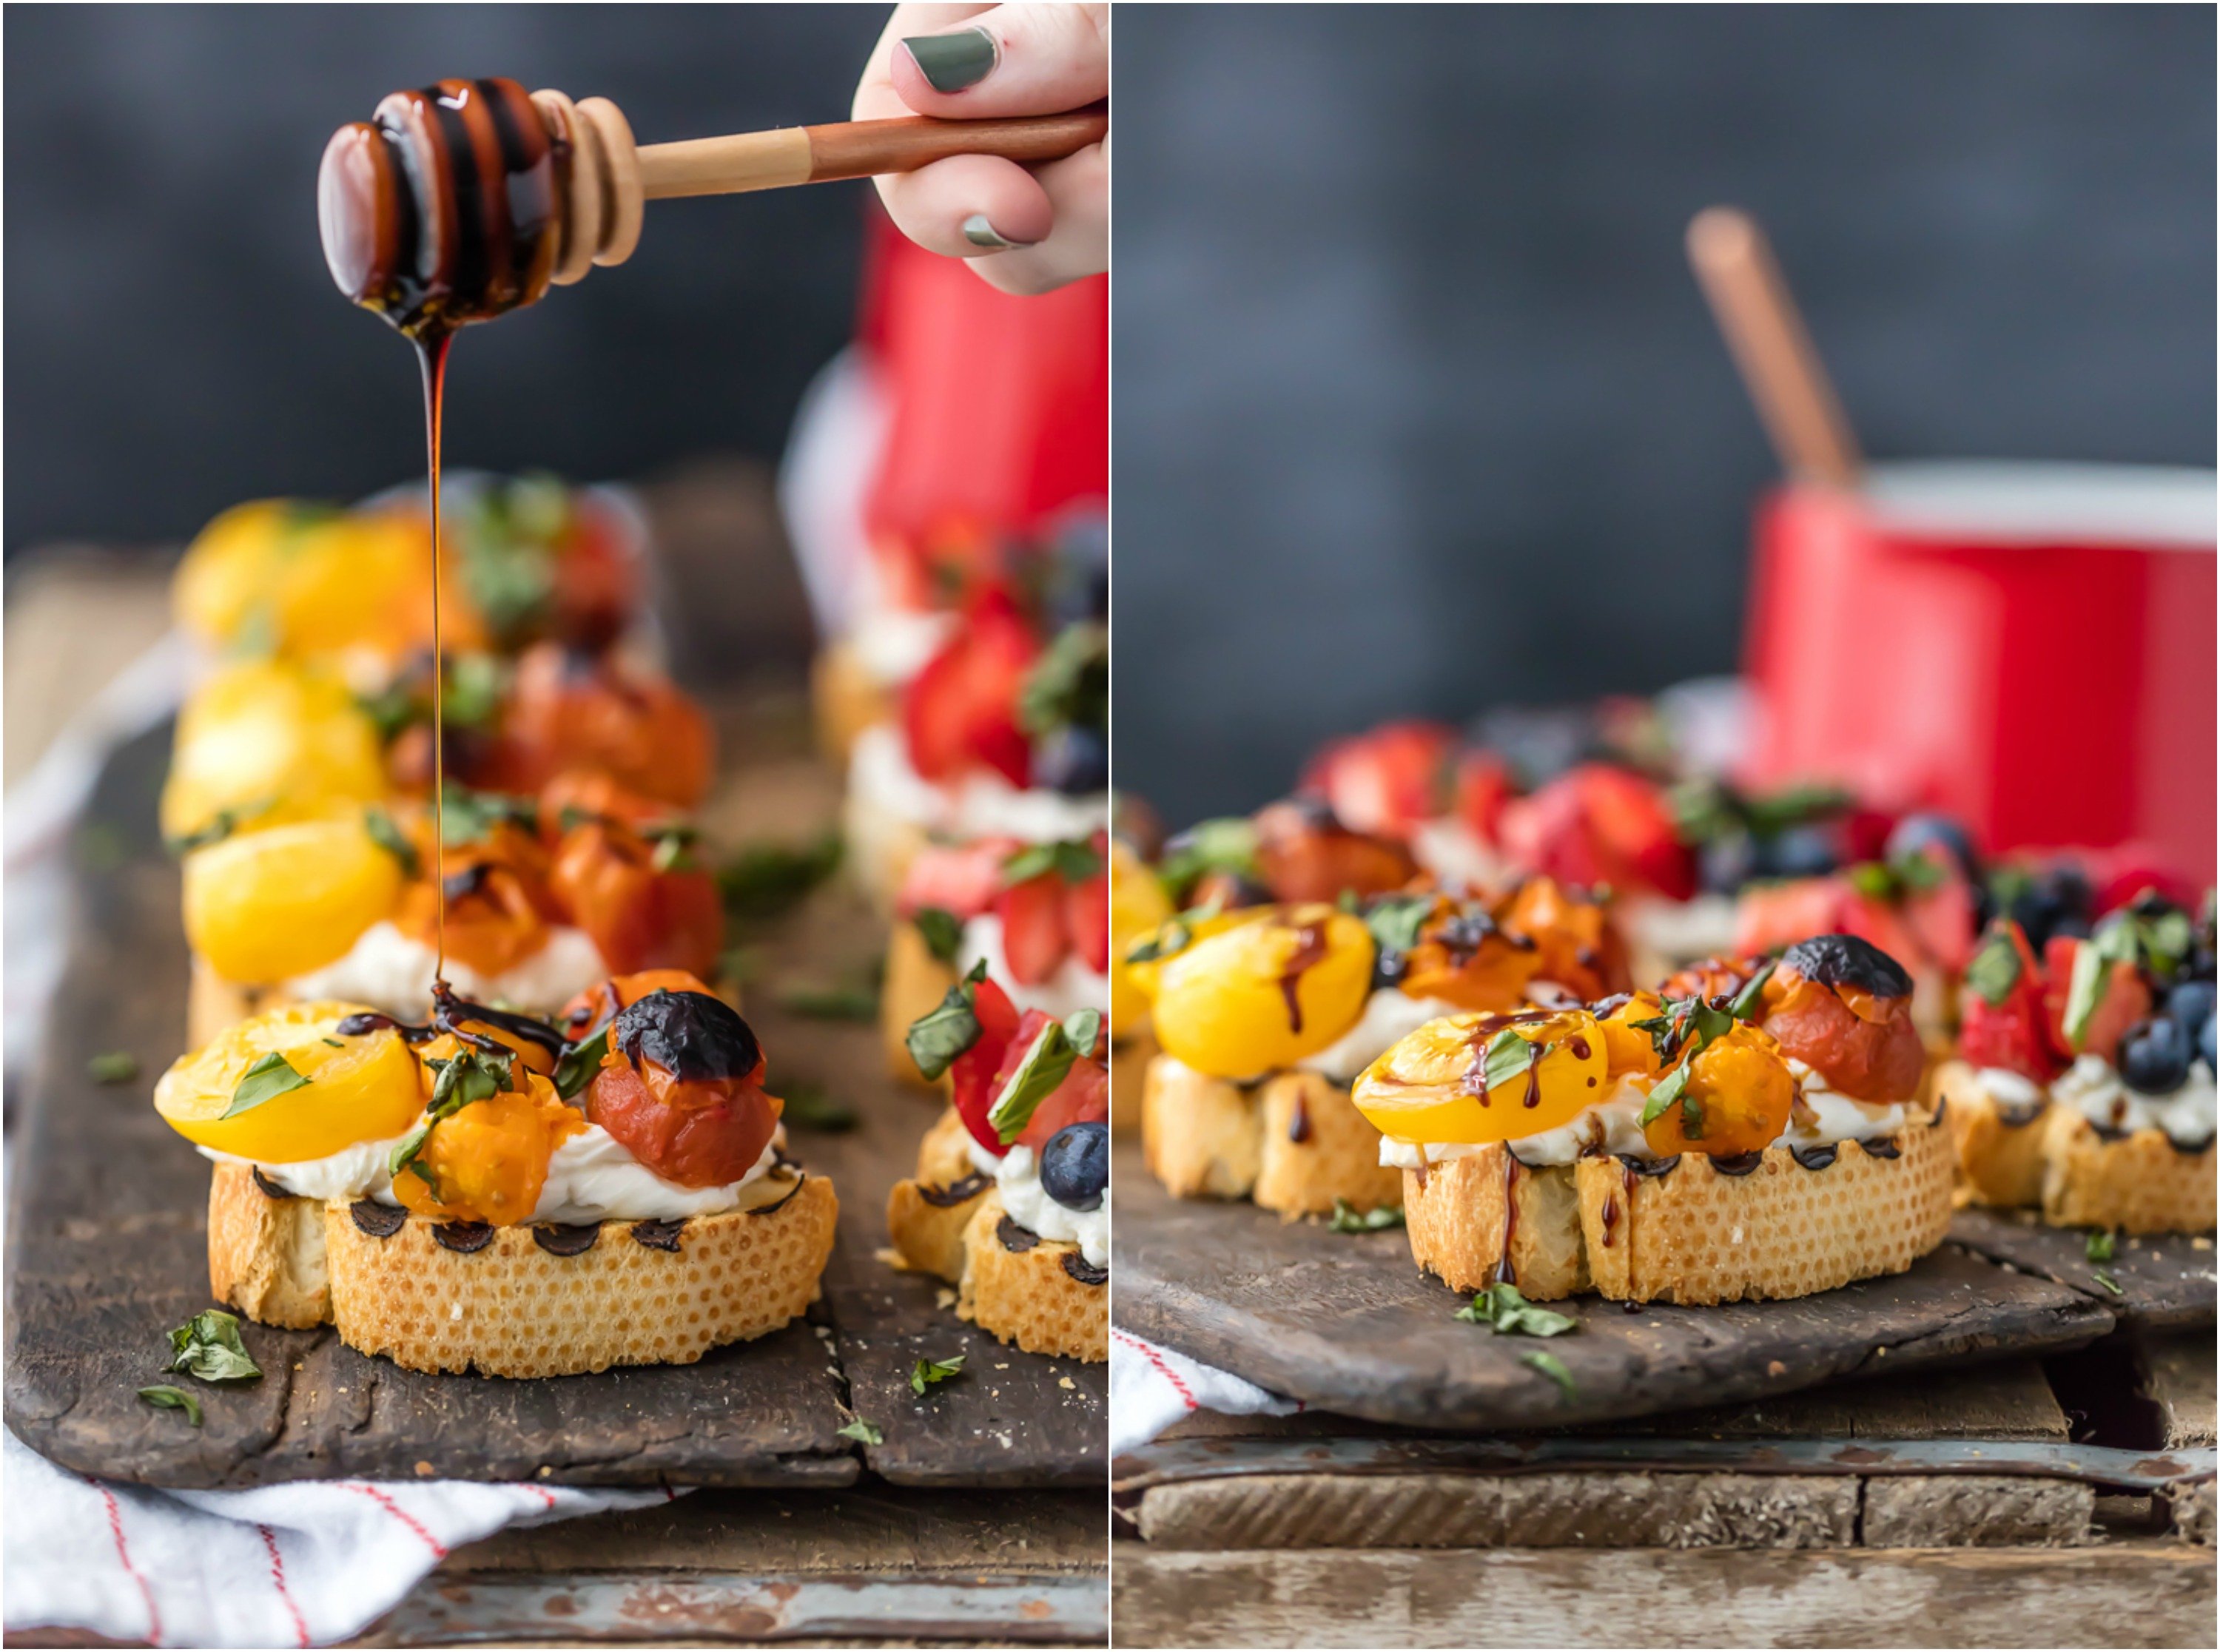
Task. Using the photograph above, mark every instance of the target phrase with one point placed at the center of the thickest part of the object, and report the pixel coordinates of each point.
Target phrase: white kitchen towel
(301, 1564)
(1151, 1388)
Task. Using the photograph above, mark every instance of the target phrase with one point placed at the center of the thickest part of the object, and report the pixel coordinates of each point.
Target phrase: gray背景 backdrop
(1417, 409)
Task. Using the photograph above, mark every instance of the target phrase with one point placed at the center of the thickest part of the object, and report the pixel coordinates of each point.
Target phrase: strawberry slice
(2011, 1032)
(971, 1076)
(961, 712)
(1943, 918)
(1086, 917)
(2124, 1002)
(1481, 790)
(1035, 937)
(1601, 824)
(1082, 1097)
(962, 880)
(1388, 780)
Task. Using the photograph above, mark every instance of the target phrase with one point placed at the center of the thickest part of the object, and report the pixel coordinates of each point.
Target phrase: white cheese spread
(1390, 1016)
(2092, 1086)
(1073, 987)
(394, 972)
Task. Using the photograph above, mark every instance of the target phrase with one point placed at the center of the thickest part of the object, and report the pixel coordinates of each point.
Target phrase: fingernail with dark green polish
(981, 233)
(951, 62)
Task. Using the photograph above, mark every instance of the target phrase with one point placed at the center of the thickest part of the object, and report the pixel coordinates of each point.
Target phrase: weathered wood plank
(2117, 1595)
(1346, 1321)
(1968, 1510)
(2164, 1279)
(2179, 1381)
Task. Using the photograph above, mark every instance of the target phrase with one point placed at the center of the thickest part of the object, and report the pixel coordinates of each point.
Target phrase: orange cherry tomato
(1737, 1100)
(1464, 959)
(489, 1162)
(1630, 1048)
(494, 918)
(594, 794)
(535, 1057)
(1575, 942)
(605, 878)
(568, 711)
(702, 1133)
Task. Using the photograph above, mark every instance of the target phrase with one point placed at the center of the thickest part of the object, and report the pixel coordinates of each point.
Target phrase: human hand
(1024, 229)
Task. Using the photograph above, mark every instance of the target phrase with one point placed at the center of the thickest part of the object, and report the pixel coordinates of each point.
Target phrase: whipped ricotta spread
(1834, 1117)
(1682, 931)
(1450, 849)
(982, 805)
(894, 644)
(2012, 1093)
(1074, 986)
(393, 972)
(1016, 1178)
(1390, 1016)
(2092, 1086)
(355, 1172)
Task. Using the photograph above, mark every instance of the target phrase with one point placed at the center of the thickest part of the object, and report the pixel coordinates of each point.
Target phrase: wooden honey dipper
(464, 199)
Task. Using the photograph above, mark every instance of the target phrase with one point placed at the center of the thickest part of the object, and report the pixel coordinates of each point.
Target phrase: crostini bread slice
(2140, 1183)
(1999, 1152)
(1453, 1212)
(1199, 1134)
(214, 1005)
(926, 1214)
(1132, 1049)
(916, 983)
(1296, 1144)
(525, 1301)
(845, 698)
(1039, 1294)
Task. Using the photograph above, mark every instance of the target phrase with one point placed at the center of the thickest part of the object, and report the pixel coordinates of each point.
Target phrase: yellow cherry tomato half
(1737, 1100)
(1139, 906)
(489, 1162)
(1631, 1049)
(268, 741)
(365, 1088)
(223, 584)
(350, 581)
(266, 906)
(1433, 1085)
(1262, 993)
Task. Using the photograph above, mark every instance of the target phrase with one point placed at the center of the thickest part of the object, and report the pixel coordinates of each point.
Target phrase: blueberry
(1918, 833)
(1801, 851)
(1729, 861)
(1075, 1166)
(2190, 1004)
(2154, 1057)
(2205, 1045)
(2056, 901)
(1073, 760)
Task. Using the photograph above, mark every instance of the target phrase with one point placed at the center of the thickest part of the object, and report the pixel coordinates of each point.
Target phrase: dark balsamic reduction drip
(658, 1235)
(268, 1188)
(1310, 949)
(1579, 1046)
(1298, 1121)
(1610, 1219)
(449, 1013)
(2020, 1116)
(470, 880)
(565, 1239)
(1604, 1009)
(1533, 1096)
(781, 1202)
(1482, 1034)
(2189, 1149)
(1737, 1164)
(1014, 1236)
(1637, 1166)
(463, 1237)
(1815, 1158)
(1629, 1307)
(379, 1221)
(1506, 1272)
(1882, 1147)
(956, 1193)
(1083, 1270)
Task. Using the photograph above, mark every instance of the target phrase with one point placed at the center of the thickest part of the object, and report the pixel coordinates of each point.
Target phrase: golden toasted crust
(916, 983)
(1454, 1214)
(1131, 1053)
(925, 1224)
(1999, 1162)
(213, 1004)
(1031, 1295)
(1697, 1234)
(845, 698)
(265, 1254)
(1316, 1149)
(2140, 1183)
(514, 1309)
(1199, 1134)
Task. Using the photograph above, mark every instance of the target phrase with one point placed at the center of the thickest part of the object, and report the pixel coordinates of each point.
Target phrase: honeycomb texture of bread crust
(1030, 1296)
(1200, 1135)
(512, 1309)
(1316, 1148)
(1999, 1164)
(2140, 1183)
(1696, 1235)
(928, 1230)
(916, 983)
(1454, 1214)
(266, 1256)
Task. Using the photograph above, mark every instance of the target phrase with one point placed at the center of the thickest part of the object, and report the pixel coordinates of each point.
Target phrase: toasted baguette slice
(1132, 1049)
(916, 983)
(1999, 1154)
(1037, 1292)
(845, 698)
(1317, 1150)
(1199, 1134)
(640, 1294)
(1455, 1214)
(2141, 1183)
(927, 1215)
(1694, 1233)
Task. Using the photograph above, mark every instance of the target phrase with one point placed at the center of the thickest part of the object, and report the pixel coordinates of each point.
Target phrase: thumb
(1011, 59)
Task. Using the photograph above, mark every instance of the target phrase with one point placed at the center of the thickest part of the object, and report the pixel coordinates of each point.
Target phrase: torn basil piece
(938, 1036)
(270, 1077)
(1047, 1061)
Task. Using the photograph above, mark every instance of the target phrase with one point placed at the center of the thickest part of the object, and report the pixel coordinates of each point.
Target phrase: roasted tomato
(1305, 853)
(361, 1088)
(1843, 1007)
(961, 711)
(1737, 1100)
(584, 1015)
(1630, 1048)
(1438, 1085)
(606, 878)
(1575, 942)
(681, 1089)
(1710, 978)
(489, 1162)
(1463, 957)
(1083, 1097)
(971, 1086)
(2124, 1001)
(497, 912)
(594, 794)
(2003, 1022)
(570, 710)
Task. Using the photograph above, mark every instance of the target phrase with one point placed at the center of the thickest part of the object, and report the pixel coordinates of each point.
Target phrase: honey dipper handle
(817, 154)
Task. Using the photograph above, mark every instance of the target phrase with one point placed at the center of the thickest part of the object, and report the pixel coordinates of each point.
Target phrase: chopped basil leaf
(1994, 970)
(1395, 921)
(1505, 1309)
(2105, 1279)
(467, 817)
(808, 1108)
(218, 825)
(1552, 1368)
(935, 1038)
(272, 1076)
(113, 1067)
(1070, 685)
(1047, 1061)
(1347, 1218)
(2101, 1246)
(207, 1346)
(165, 1397)
(1667, 1091)
(831, 1003)
(941, 932)
(766, 881)
(389, 838)
(1084, 1027)
(1746, 1001)
(1220, 846)
(474, 1075)
(928, 1372)
(1173, 936)
(867, 1433)
(576, 1067)
(1508, 1057)
(1075, 862)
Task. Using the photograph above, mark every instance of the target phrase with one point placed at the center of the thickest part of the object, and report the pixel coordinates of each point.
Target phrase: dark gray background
(1417, 410)
(174, 344)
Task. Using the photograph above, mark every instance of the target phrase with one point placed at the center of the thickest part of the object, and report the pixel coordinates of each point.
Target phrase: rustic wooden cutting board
(106, 1252)
(2157, 1282)
(1347, 1322)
